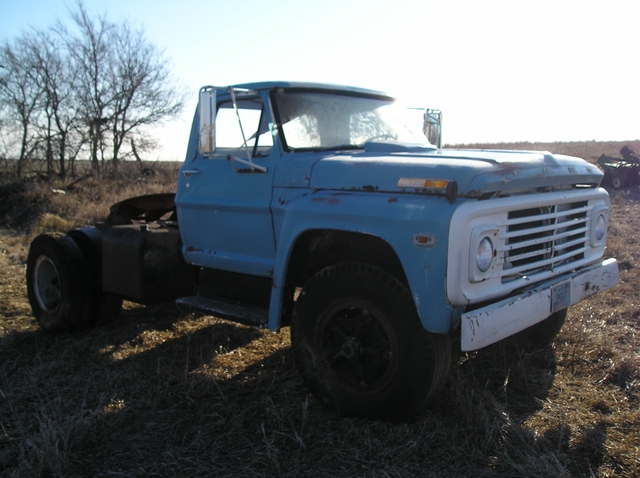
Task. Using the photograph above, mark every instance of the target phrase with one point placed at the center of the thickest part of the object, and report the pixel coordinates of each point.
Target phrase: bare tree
(58, 105)
(90, 88)
(145, 95)
(90, 50)
(19, 93)
(124, 83)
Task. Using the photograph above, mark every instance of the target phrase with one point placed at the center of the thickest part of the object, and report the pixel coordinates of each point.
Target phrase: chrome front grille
(534, 237)
(540, 239)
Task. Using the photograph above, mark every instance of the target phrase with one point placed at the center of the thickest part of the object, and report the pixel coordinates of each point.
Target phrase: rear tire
(360, 345)
(58, 282)
(104, 308)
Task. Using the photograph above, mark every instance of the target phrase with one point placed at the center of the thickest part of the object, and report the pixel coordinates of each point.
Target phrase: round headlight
(484, 256)
(601, 227)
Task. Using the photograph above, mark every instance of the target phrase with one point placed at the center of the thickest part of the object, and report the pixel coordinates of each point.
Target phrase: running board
(245, 314)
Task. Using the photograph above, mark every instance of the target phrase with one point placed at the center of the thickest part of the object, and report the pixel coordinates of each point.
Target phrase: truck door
(224, 203)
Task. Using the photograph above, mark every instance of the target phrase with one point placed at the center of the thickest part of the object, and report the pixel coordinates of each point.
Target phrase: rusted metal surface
(490, 324)
(152, 207)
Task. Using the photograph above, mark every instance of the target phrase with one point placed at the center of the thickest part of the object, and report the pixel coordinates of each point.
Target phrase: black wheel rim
(357, 346)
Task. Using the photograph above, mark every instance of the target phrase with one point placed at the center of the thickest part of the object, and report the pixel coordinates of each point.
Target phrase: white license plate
(560, 296)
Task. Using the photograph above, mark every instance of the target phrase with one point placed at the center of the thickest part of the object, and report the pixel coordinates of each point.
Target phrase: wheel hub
(47, 284)
(357, 348)
(352, 348)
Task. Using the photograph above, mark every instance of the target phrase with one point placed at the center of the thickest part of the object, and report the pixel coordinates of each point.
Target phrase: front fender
(395, 218)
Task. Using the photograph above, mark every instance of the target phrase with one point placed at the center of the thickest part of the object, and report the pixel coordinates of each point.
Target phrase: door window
(250, 120)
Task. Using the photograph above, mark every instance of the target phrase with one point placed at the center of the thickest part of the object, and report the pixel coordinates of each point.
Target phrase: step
(243, 313)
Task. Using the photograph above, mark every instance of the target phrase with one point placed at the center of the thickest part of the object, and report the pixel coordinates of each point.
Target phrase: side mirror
(207, 128)
(432, 127)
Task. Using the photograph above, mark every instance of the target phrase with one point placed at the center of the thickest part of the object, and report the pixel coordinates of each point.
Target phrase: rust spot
(194, 249)
(327, 200)
(149, 208)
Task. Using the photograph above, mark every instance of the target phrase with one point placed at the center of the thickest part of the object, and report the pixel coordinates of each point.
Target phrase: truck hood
(477, 172)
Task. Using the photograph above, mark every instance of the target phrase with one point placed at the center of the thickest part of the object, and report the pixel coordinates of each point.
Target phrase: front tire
(58, 282)
(361, 347)
(540, 335)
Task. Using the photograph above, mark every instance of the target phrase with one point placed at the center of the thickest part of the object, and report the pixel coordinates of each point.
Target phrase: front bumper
(490, 324)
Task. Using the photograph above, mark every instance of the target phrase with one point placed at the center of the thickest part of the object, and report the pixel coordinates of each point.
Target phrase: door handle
(189, 172)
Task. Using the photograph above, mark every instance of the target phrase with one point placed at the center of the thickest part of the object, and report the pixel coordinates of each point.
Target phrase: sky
(501, 71)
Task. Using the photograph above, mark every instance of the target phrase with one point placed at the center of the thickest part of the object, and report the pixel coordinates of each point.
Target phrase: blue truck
(335, 211)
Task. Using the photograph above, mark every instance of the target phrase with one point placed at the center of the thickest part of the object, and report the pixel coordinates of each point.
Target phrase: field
(165, 391)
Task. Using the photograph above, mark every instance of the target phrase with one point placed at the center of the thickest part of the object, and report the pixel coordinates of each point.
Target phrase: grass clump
(50, 223)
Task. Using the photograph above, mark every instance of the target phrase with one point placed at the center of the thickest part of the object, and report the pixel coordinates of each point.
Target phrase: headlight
(601, 227)
(484, 255)
(599, 222)
(482, 252)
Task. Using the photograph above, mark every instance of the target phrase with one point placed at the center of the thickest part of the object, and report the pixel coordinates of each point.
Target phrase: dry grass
(166, 392)
(34, 202)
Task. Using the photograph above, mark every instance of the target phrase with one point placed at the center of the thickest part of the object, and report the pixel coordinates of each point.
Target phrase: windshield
(316, 120)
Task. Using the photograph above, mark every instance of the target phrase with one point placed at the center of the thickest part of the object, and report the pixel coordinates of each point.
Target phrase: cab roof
(269, 85)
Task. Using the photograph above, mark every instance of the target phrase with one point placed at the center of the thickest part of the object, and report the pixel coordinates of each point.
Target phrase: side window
(257, 136)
